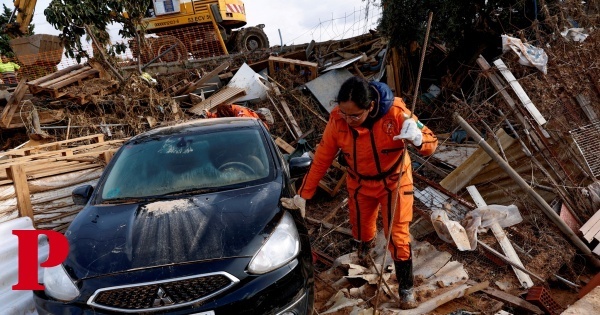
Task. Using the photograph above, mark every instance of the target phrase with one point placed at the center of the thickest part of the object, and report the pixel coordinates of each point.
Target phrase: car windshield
(181, 163)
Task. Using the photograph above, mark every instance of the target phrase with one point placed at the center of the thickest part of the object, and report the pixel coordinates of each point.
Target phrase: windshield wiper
(169, 195)
(132, 199)
(191, 191)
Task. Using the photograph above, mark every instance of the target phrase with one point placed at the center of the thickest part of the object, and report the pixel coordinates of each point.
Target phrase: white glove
(410, 132)
(296, 203)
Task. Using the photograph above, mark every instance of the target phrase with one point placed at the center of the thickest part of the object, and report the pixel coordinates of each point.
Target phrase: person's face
(4, 59)
(353, 114)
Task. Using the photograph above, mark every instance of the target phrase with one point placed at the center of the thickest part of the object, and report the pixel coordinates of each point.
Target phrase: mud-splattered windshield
(183, 163)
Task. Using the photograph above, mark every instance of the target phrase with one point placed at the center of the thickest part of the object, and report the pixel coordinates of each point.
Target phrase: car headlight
(282, 246)
(58, 284)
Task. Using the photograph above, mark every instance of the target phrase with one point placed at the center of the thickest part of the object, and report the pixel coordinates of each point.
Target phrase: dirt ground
(479, 266)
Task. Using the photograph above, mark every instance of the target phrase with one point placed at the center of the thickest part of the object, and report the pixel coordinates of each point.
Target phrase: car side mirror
(299, 166)
(81, 195)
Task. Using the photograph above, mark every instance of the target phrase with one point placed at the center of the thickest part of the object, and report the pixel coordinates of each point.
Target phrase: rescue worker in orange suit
(371, 128)
(231, 110)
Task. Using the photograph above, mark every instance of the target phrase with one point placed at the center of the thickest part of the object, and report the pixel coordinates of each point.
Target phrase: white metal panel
(16, 302)
(516, 86)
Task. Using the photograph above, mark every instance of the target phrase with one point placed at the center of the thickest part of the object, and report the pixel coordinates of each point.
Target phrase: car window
(178, 163)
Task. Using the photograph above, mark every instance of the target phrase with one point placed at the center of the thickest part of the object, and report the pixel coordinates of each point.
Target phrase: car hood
(107, 239)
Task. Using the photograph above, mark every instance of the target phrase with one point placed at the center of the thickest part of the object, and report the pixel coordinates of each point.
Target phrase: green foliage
(4, 39)
(71, 16)
(404, 21)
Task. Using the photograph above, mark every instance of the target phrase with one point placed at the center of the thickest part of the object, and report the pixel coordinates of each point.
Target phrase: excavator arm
(19, 22)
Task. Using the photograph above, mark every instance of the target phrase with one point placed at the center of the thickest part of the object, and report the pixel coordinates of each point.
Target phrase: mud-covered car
(187, 219)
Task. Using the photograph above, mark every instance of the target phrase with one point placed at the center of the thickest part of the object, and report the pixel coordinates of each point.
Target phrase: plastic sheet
(481, 218)
(464, 234)
(529, 55)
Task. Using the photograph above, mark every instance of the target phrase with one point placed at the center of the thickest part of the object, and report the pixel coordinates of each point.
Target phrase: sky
(299, 21)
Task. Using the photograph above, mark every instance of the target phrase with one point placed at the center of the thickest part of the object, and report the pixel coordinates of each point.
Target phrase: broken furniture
(306, 69)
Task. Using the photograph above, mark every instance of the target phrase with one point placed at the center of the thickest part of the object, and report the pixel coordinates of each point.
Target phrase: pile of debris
(533, 181)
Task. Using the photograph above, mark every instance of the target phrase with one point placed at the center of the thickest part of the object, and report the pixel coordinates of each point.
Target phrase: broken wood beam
(305, 68)
(504, 242)
(555, 218)
(286, 109)
(330, 226)
(226, 95)
(334, 211)
(512, 300)
(19, 178)
(13, 103)
(54, 75)
(516, 86)
(509, 261)
(204, 79)
(73, 79)
(45, 84)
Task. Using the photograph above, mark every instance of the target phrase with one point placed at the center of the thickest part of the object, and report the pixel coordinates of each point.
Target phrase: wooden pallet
(81, 98)
(18, 167)
(309, 70)
(52, 83)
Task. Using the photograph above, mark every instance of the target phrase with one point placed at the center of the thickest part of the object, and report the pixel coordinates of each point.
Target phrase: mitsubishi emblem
(162, 299)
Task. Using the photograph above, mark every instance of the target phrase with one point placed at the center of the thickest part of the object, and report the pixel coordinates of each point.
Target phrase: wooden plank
(53, 145)
(55, 74)
(512, 300)
(17, 174)
(292, 64)
(99, 148)
(225, 96)
(193, 86)
(287, 111)
(13, 103)
(586, 106)
(588, 225)
(469, 169)
(505, 244)
(589, 236)
(53, 171)
(516, 86)
(63, 77)
(500, 88)
(73, 79)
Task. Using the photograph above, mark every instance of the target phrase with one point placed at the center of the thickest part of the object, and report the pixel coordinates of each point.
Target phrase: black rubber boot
(363, 251)
(404, 274)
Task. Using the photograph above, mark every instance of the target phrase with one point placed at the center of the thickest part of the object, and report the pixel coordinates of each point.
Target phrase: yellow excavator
(38, 49)
(197, 29)
(181, 29)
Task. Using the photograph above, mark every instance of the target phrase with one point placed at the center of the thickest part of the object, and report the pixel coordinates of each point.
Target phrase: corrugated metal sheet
(11, 301)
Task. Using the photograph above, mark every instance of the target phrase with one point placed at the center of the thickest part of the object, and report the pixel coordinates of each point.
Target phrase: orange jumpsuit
(373, 159)
(240, 111)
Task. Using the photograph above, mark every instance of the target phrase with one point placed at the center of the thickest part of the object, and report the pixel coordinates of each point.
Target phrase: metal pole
(162, 54)
(523, 184)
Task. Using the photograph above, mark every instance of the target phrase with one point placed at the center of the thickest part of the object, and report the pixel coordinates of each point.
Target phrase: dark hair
(359, 91)
(225, 110)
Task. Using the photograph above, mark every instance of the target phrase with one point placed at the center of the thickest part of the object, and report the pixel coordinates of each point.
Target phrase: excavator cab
(194, 29)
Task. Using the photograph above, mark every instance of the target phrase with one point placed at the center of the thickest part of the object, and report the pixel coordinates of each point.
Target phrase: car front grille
(165, 294)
